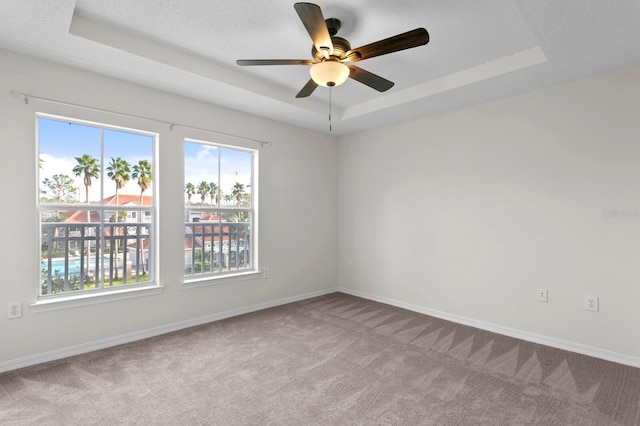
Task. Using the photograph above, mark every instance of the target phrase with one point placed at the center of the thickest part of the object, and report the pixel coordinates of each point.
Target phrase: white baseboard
(95, 345)
(507, 331)
(156, 331)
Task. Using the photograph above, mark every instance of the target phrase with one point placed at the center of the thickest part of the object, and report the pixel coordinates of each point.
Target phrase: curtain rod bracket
(17, 94)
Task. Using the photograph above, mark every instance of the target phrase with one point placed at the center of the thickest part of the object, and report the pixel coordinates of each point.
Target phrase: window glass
(96, 206)
(219, 210)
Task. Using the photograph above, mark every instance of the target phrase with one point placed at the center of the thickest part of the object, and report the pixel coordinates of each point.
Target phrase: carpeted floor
(332, 360)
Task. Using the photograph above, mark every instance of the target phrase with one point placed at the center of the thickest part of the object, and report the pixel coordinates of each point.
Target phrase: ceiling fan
(330, 53)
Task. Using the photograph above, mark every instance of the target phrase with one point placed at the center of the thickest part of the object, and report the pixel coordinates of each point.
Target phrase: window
(96, 206)
(220, 211)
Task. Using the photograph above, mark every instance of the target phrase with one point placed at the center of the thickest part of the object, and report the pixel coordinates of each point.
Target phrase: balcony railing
(86, 256)
(83, 256)
(213, 247)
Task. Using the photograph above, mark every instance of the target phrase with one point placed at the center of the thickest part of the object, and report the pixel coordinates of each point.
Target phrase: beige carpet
(332, 360)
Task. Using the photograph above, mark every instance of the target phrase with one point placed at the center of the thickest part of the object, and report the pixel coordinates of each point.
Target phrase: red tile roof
(75, 216)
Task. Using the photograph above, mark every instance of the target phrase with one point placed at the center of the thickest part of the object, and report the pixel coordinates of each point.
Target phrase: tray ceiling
(478, 51)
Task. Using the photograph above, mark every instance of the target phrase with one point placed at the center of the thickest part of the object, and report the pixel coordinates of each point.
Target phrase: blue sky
(68, 139)
(60, 142)
(201, 163)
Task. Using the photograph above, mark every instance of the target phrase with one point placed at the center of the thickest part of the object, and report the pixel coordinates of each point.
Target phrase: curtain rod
(26, 96)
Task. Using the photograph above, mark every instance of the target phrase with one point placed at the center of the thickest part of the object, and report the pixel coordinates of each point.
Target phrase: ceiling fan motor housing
(340, 48)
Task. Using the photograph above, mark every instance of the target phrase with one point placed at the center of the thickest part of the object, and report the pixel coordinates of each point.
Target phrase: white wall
(298, 208)
(469, 212)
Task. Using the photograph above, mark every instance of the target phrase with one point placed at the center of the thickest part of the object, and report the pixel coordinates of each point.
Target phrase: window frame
(53, 301)
(212, 278)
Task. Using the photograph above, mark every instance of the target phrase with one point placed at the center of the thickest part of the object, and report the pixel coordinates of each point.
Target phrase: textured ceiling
(478, 50)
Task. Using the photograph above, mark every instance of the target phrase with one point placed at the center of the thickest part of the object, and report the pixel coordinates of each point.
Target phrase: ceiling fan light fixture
(329, 73)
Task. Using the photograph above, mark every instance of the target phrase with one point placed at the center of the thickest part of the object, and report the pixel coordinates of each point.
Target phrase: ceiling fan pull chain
(329, 108)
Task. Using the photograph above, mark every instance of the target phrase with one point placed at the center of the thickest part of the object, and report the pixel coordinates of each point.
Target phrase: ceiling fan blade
(413, 38)
(311, 16)
(249, 62)
(307, 89)
(370, 79)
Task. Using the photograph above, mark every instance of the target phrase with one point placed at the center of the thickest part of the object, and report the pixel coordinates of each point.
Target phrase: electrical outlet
(14, 310)
(542, 295)
(591, 303)
(266, 273)
(349, 264)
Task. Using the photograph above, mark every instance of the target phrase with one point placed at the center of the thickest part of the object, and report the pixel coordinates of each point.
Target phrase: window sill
(223, 279)
(75, 300)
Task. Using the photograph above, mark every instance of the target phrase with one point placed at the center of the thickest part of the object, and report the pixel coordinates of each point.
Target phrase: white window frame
(47, 302)
(212, 278)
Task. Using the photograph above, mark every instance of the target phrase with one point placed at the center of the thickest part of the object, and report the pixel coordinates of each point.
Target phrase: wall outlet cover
(591, 303)
(542, 295)
(14, 310)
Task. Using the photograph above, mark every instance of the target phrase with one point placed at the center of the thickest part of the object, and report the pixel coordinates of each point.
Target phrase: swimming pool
(74, 266)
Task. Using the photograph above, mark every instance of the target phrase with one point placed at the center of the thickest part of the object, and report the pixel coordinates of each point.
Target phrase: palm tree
(238, 191)
(89, 168)
(142, 172)
(215, 193)
(203, 190)
(118, 171)
(190, 189)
